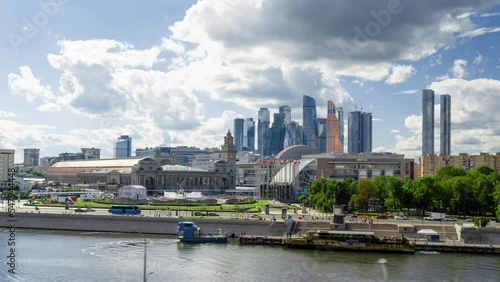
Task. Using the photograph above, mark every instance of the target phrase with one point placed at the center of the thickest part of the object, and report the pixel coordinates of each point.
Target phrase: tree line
(452, 190)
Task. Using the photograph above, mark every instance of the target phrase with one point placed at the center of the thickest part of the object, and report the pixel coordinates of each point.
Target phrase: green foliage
(481, 221)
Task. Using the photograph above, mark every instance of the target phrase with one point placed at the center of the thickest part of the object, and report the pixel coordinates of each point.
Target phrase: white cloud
(478, 59)
(412, 91)
(28, 86)
(485, 15)
(399, 74)
(4, 114)
(479, 31)
(459, 68)
(395, 131)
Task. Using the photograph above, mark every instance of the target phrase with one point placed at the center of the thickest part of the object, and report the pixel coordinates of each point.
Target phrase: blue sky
(81, 73)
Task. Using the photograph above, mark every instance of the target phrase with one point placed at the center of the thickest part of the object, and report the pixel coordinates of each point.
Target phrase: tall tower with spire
(228, 150)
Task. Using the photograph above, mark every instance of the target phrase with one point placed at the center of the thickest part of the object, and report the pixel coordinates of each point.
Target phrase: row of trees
(452, 190)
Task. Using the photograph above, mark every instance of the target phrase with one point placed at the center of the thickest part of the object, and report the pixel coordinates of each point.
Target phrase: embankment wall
(135, 224)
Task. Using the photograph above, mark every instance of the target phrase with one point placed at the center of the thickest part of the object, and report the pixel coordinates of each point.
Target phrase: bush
(481, 221)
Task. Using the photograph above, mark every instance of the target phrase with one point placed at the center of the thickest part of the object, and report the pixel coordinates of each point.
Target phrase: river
(77, 256)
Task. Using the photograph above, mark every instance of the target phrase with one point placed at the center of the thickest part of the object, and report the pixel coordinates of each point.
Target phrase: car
(255, 216)
(382, 216)
(212, 214)
(89, 210)
(400, 217)
(470, 220)
(198, 213)
(354, 216)
(79, 210)
(450, 219)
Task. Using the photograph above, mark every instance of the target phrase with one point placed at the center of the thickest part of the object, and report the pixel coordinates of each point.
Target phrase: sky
(79, 74)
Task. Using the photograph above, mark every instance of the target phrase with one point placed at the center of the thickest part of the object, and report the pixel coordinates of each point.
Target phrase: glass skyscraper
(286, 111)
(333, 132)
(263, 131)
(238, 133)
(340, 113)
(309, 118)
(445, 128)
(293, 134)
(359, 132)
(249, 135)
(277, 134)
(427, 122)
(123, 147)
(322, 134)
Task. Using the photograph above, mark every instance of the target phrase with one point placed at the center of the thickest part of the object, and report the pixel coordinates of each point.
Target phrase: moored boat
(188, 232)
(350, 241)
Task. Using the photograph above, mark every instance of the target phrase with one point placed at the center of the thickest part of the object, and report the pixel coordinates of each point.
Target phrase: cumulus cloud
(4, 114)
(249, 54)
(29, 87)
(459, 68)
(399, 74)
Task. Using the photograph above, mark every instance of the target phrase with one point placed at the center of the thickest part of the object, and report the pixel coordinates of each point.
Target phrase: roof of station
(129, 162)
(289, 172)
(296, 152)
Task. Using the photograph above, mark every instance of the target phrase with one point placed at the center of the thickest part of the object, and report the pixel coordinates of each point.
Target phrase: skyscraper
(6, 163)
(340, 116)
(286, 111)
(366, 133)
(239, 125)
(445, 129)
(123, 147)
(427, 122)
(293, 134)
(277, 134)
(309, 119)
(322, 134)
(263, 131)
(31, 157)
(249, 134)
(360, 132)
(333, 132)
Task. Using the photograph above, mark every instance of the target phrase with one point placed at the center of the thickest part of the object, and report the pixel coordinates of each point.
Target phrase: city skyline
(78, 75)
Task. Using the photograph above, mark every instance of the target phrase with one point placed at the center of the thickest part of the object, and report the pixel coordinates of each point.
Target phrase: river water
(77, 256)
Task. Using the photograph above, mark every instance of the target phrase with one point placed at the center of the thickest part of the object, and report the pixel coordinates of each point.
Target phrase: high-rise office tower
(366, 133)
(309, 119)
(359, 132)
(286, 111)
(293, 134)
(333, 132)
(322, 134)
(6, 162)
(31, 157)
(340, 116)
(427, 122)
(445, 129)
(239, 128)
(263, 131)
(123, 147)
(277, 134)
(249, 134)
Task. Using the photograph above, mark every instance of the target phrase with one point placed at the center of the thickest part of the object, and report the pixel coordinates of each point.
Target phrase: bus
(128, 209)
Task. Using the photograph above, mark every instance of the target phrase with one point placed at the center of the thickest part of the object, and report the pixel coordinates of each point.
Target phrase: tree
(365, 192)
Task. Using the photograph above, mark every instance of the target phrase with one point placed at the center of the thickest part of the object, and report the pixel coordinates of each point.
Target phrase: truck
(63, 200)
(436, 216)
(92, 196)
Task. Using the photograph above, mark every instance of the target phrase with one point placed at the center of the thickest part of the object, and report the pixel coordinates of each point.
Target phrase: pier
(419, 246)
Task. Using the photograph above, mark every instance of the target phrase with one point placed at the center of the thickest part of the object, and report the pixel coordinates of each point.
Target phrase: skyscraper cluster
(324, 134)
(428, 123)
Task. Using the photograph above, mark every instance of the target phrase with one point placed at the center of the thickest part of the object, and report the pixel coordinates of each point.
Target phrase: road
(274, 214)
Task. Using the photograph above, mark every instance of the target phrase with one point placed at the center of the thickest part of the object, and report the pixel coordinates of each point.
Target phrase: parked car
(450, 219)
(198, 213)
(400, 217)
(79, 210)
(89, 210)
(212, 214)
(382, 216)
